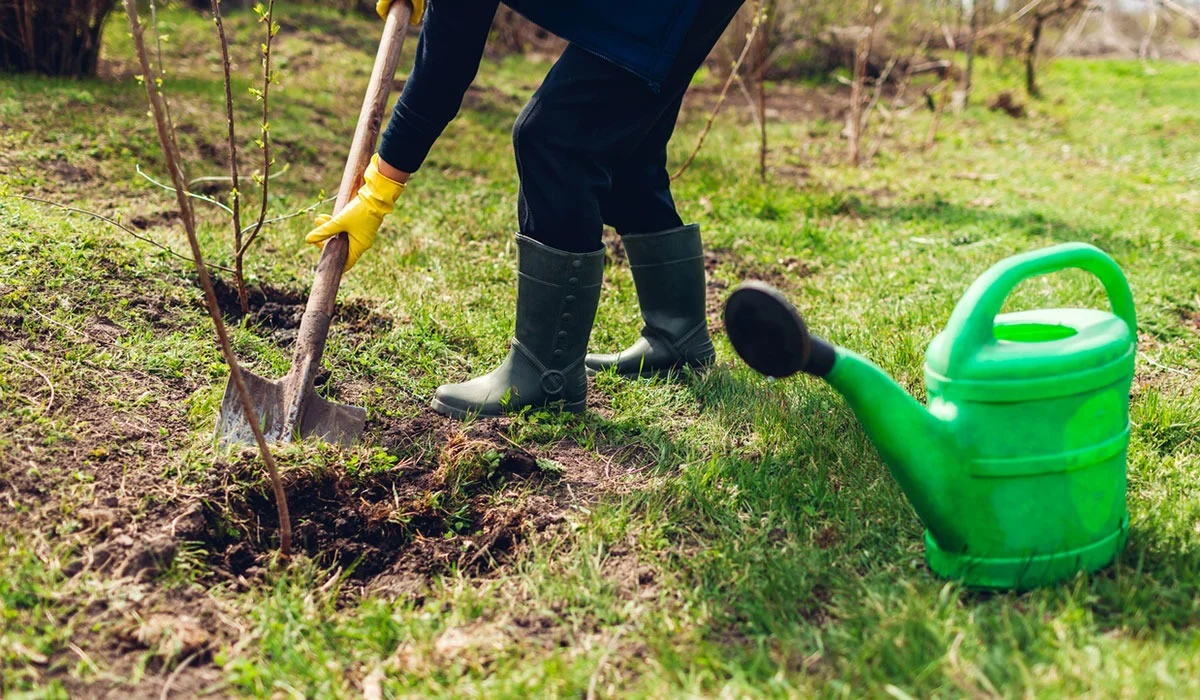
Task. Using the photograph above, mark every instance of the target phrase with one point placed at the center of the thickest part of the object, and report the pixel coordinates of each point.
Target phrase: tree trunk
(1031, 50)
(970, 56)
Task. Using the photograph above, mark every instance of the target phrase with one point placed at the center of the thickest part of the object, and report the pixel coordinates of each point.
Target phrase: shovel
(290, 406)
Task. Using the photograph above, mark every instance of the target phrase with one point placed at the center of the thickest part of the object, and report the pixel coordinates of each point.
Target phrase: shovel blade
(336, 423)
(332, 422)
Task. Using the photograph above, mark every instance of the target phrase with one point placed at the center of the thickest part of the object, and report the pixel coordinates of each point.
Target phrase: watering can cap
(1029, 355)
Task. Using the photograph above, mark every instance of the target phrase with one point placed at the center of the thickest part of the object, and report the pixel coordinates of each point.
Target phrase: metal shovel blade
(333, 422)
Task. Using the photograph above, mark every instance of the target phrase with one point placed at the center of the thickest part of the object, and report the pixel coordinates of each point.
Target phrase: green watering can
(1017, 465)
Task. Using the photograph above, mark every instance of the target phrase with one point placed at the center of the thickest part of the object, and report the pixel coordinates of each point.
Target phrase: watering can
(1017, 464)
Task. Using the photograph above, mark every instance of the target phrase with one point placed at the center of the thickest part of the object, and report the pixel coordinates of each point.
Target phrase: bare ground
(118, 494)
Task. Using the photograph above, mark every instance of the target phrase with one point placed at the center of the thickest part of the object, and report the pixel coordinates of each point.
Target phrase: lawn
(713, 535)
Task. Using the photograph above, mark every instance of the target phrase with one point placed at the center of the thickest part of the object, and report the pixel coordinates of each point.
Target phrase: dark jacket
(642, 36)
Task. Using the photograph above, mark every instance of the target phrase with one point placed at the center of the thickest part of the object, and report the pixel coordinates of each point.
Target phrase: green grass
(764, 552)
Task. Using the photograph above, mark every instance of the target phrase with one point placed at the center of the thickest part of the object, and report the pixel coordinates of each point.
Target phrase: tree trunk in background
(1031, 50)
(53, 38)
(970, 55)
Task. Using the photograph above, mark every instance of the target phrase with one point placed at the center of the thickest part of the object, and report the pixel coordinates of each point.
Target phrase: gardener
(591, 149)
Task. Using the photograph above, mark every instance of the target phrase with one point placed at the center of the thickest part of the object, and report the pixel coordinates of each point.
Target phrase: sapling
(173, 160)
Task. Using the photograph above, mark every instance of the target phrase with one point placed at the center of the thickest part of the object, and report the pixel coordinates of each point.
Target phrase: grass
(747, 541)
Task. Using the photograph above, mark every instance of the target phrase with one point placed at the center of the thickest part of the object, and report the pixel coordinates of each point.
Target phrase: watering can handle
(974, 317)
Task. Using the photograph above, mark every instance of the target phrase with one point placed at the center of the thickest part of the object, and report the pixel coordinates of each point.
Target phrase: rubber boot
(668, 271)
(557, 295)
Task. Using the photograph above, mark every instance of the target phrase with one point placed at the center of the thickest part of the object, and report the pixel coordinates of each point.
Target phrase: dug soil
(125, 499)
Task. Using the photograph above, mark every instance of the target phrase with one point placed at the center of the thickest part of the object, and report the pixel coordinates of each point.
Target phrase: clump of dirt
(142, 222)
(633, 578)
(277, 310)
(1008, 103)
(454, 498)
(66, 172)
(1190, 317)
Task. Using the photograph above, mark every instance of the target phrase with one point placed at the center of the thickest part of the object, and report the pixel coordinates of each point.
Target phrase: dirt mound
(276, 311)
(451, 498)
(103, 485)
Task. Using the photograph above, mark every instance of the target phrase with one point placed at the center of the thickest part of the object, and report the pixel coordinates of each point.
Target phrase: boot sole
(461, 414)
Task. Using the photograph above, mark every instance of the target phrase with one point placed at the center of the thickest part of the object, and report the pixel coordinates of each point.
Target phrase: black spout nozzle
(770, 336)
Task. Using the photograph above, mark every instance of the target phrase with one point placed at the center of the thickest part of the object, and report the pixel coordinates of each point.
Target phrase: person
(591, 149)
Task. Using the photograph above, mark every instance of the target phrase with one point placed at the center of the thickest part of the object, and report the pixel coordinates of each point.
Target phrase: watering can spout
(916, 443)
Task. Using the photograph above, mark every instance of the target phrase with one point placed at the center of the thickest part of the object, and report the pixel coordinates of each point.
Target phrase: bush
(54, 37)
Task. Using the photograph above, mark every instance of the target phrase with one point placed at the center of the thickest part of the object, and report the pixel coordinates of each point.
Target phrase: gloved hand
(382, 7)
(362, 215)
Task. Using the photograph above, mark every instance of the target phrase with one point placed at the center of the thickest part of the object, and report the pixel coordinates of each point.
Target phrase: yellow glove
(382, 7)
(361, 216)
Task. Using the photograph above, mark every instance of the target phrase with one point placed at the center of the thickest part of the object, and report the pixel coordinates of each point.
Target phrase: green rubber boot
(668, 271)
(557, 295)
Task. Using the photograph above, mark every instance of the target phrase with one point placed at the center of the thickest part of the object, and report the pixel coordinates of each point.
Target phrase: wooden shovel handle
(375, 101)
(314, 326)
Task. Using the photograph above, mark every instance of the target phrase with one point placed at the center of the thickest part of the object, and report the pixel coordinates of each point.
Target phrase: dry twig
(38, 372)
(119, 225)
(724, 89)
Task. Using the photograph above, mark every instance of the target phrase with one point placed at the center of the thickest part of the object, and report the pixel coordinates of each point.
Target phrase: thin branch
(38, 372)
(724, 89)
(862, 53)
(880, 82)
(293, 215)
(162, 73)
(119, 225)
(1191, 15)
(749, 100)
(225, 178)
(193, 195)
(1152, 25)
(236, 195)
(214, 309)
(266, 125)
(1155, 363)
(937, 93)
(897, 99)
(767, 7)
(1011, 19)
(175, 674)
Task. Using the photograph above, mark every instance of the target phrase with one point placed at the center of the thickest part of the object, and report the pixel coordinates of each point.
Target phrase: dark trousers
(591, 144)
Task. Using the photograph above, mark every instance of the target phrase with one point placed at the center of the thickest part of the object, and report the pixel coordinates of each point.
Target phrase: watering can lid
(1035, 354)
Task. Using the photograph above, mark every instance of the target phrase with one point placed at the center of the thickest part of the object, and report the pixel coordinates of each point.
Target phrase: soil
(1008, 103)
(784, 273)
(142, 222)
(276, 311)
(793, 103)
(387, 529)
(456, 497)
(1191, 318)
